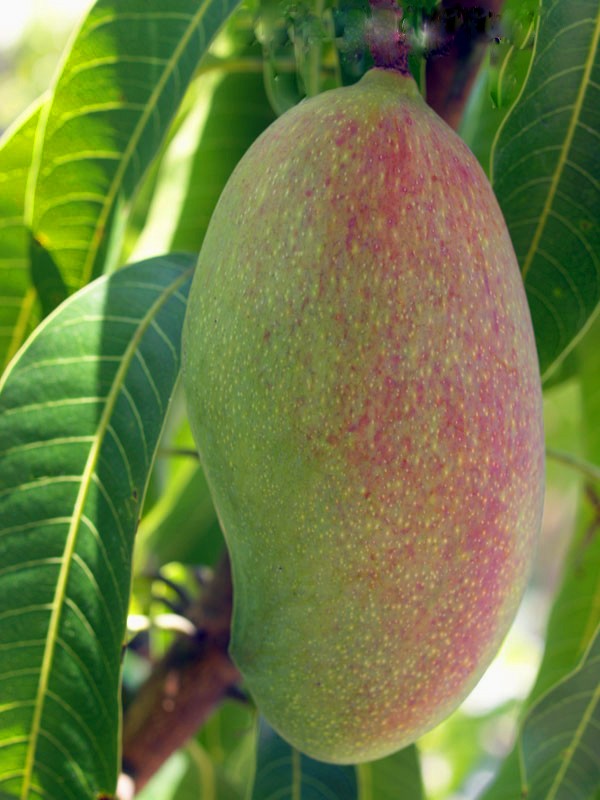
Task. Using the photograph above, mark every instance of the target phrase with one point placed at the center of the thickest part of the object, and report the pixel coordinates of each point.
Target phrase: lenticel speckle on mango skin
(363, 387)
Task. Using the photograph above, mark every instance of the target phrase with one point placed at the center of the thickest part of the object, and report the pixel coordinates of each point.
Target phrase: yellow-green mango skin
(363, 387)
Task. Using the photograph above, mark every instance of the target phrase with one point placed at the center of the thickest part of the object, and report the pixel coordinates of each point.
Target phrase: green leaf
(511, 58)
(283, 773)
(500, 79)
(18, 301)
(115, 97)
(169, 782)
(239, 113)
(81, 411)
(576, 610)
(228, 737)
(179, 522)
(546, 162)
(182, 525)
(189, 775)
(230, 111)
(398, 775)
(559, 743)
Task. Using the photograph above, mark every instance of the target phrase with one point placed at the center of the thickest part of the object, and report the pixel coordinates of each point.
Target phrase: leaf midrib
(134, 141)
(579, 732)
(20, 327)
(86, 480)
(595, 699)
(562, 160)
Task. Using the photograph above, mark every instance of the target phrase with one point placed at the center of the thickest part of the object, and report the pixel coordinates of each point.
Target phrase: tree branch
(450, 74)
(185, 687)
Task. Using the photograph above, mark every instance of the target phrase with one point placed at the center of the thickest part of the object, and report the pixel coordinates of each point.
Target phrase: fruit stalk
(388, 45)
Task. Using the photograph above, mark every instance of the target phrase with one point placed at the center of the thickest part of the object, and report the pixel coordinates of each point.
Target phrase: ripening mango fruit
(363, 388)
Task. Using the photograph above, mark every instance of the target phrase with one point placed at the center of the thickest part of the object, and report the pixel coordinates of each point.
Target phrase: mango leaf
(17, 296)
(182, 526)
(500, 78)
(81, 410)
(398, 775)
(546, 162)
(511, 57)
(189, 774)
(114, 99)
(576, 610)
(284, 772)
(177, 779)
(179, 522)
(230, 111)
(239, 112)
(559, 743)
(228, 738)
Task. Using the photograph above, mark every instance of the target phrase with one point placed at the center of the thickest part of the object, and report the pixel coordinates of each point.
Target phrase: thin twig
(586, 468)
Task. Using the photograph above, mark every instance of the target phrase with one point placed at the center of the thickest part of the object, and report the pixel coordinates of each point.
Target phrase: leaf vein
(565, 149)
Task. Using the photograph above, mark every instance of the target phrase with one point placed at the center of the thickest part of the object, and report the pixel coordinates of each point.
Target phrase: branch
(450, 74)
(185, 687)
(591, 471)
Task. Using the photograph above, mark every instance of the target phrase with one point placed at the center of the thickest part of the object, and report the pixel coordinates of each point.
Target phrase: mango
(363, 388)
